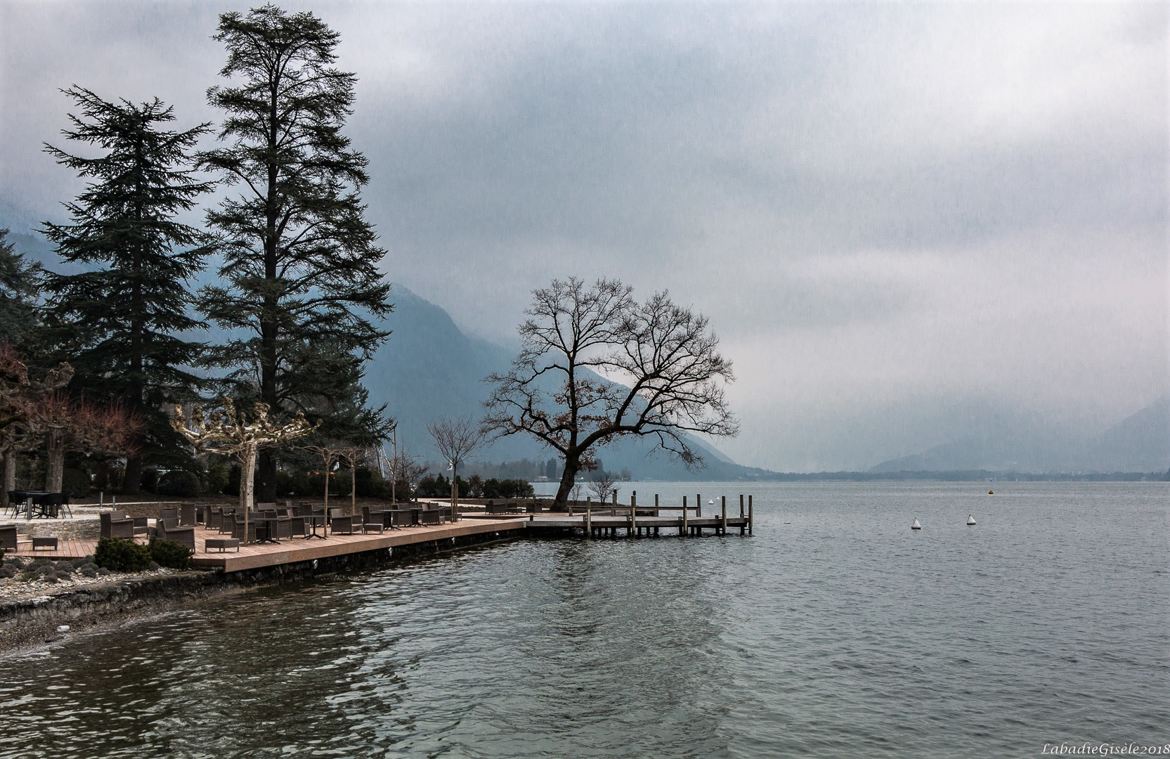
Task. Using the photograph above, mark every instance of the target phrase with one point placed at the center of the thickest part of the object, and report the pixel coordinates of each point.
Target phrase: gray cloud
(868, 200)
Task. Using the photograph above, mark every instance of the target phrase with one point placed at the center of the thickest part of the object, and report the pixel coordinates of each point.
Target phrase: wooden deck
(291, 551)
(607, 521)
(66, 549)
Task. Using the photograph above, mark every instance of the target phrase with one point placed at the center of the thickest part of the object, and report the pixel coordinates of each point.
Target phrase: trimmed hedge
(179, 482)
(121, 555)
(168, 553)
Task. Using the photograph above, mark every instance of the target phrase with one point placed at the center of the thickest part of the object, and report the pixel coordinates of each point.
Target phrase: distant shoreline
(977, 475)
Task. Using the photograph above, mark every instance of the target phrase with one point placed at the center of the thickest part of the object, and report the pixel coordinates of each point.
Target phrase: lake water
(834, 631)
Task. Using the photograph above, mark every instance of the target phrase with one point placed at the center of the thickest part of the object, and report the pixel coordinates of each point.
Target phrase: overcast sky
(880, 207)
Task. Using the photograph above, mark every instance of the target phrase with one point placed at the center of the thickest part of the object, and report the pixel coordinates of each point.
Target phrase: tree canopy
(121, 320)
(596, 364)
(300, 268)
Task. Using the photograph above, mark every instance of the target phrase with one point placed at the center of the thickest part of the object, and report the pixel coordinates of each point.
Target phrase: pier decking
(601, 521)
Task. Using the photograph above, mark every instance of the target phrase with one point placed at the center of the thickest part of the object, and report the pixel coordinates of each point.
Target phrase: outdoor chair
(168, 529)
(187, 513)
(8, 537)
(283, 526)
(227, 519)
(344, 523)
(430, 516)
(169, 513)
(115, 524)
(214, 517)
(234, 524)
(16, 499)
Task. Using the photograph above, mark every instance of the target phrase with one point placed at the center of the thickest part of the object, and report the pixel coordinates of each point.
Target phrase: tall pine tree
(119, 321)
(300, 262)
(19, 281)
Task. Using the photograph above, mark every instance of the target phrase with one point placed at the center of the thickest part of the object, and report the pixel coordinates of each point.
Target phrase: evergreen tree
(19, 281)
(300, 262)
(119, 322)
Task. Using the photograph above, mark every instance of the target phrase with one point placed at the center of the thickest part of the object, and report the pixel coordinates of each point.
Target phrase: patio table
(314, 521)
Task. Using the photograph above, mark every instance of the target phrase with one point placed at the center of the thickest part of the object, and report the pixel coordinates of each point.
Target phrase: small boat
(914, 525)
(991, 492)
(970, 520)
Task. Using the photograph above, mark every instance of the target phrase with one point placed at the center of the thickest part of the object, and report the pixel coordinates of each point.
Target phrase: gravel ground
(25, 578)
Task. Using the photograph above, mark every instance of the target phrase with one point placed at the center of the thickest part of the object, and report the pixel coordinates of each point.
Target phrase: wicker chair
(115, 524)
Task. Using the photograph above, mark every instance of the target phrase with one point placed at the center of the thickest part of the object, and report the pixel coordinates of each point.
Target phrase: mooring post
(633, 512)
(742, 524)
(698, 504)
(749, 515)
(588, 516)
(741, 506)
(683, 531)
(655, 504)
(723, 526)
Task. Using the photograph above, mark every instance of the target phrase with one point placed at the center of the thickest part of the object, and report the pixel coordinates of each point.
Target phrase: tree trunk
(568, 478)
(132, 482)
(55, 467)
(9, 478)
(247, 485)
(454, 491)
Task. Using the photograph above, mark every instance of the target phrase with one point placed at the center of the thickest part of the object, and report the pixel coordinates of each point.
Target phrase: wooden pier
(602, 521)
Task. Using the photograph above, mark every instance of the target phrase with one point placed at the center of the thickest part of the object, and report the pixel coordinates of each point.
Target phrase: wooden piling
(723, 524)
(684, 529)
(750, 520)
(588, 516)
(698, 504)
(633, 513)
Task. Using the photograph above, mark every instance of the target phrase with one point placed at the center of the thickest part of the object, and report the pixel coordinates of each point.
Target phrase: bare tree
(403, 468)
(595, 365)
(330, 454)
(455, 439)
(224, 431)
(601, 484)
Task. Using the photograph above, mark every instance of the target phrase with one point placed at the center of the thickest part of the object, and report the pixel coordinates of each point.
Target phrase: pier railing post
(723, 520)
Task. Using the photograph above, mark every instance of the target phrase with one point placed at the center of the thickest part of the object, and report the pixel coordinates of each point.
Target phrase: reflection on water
(835, 630)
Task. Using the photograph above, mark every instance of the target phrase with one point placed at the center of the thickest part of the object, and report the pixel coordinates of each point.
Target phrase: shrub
(233, 481)
(216, 478)
(179, 482)
(120, 555)
(75, 483)
(149, 481)
(370, 483)
(168, 553)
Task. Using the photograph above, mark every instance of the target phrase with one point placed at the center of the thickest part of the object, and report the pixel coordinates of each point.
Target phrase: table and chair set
(270, 523)
(38, 504)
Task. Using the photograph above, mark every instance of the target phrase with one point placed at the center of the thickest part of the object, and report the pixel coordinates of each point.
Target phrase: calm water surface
(834, 631)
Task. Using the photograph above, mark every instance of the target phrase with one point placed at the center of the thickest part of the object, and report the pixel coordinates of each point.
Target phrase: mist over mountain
(1003, 439)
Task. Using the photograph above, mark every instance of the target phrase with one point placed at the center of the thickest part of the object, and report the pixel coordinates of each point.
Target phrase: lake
(833, 631)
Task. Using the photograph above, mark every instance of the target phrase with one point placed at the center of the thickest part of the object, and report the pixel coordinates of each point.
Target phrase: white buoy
(970, 521)
(62, 628)
(914, 525)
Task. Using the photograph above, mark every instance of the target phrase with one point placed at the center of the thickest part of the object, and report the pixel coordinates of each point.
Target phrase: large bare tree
(596, 364)
(455, 439)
